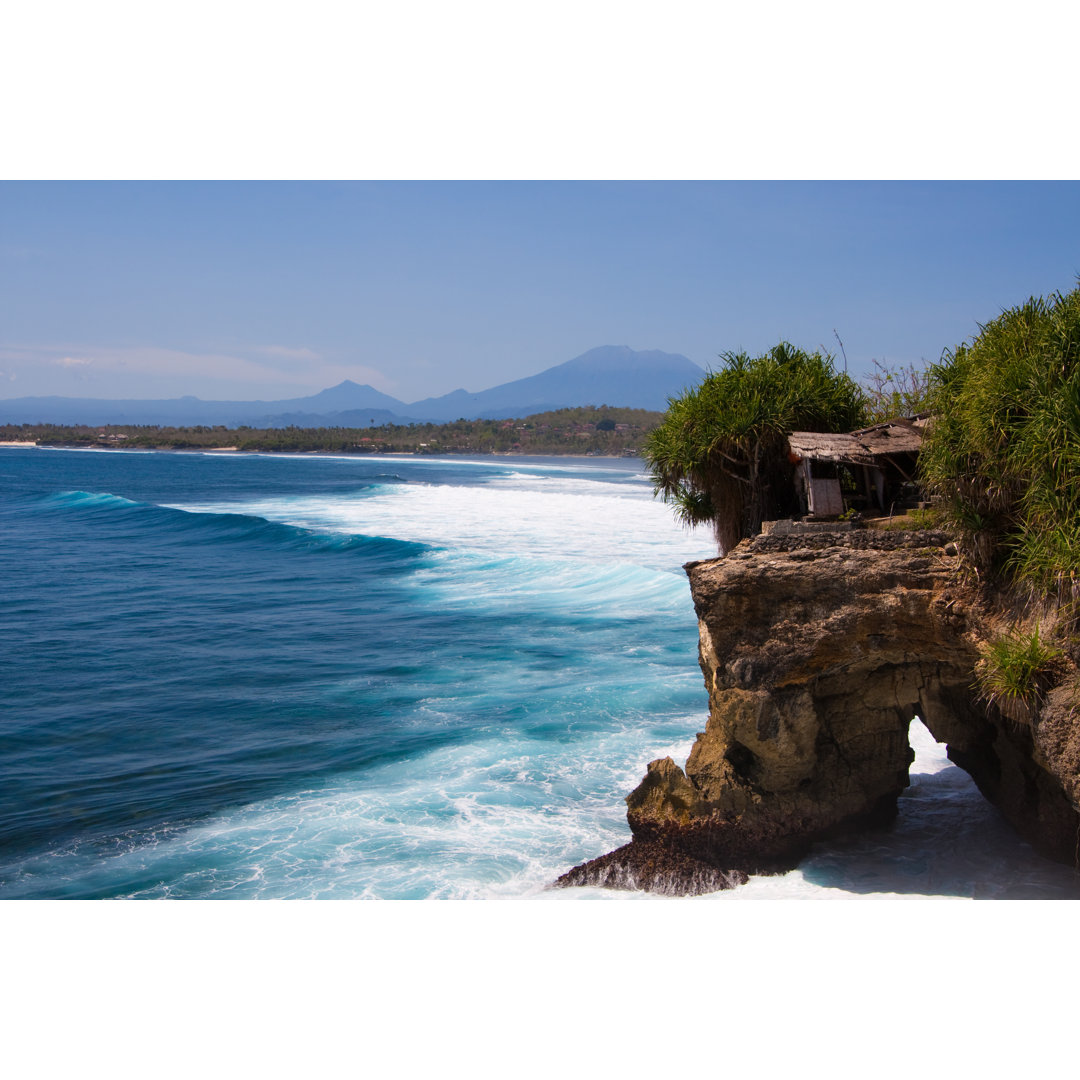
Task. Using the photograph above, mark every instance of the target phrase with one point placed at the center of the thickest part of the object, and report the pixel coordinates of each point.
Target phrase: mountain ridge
(613, 375)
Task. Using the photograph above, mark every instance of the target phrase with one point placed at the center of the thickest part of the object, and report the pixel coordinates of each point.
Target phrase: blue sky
(278, 289)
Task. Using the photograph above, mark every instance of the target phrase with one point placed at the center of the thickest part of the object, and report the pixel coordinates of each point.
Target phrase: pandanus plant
(721, 456)
(1003, 453)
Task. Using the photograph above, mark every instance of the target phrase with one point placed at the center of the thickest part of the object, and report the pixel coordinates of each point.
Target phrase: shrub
(1003, 451)
(1016, 672)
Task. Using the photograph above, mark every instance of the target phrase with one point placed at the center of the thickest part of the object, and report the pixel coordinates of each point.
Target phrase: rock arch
(817, 652)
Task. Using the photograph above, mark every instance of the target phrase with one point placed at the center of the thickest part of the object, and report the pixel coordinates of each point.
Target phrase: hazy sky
(274, 289)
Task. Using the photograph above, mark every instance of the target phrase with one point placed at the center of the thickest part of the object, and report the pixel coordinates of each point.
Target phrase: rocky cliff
(817, 652)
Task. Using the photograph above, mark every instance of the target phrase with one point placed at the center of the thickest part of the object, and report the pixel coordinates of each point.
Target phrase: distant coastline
(585, 431)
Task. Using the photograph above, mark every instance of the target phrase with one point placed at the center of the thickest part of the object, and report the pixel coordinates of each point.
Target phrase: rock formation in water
(817, 652)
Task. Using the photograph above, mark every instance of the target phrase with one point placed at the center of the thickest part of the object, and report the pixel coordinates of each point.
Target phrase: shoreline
(314, 453)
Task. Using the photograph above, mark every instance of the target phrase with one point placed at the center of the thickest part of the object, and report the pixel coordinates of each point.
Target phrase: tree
(721, 454)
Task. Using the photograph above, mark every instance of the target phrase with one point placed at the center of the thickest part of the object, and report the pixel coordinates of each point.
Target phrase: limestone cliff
(817, 652)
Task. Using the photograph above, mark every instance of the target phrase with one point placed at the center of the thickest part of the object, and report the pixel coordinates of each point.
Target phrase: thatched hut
(881, 460)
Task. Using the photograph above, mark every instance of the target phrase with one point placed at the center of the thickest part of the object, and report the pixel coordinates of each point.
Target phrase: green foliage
(1016, 672)
(1003, 452)
(721, 453)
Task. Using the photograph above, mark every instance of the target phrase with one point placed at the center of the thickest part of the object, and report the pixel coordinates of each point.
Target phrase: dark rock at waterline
(652, 867)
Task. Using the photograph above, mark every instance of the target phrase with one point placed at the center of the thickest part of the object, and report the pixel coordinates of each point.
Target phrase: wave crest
(213, 527)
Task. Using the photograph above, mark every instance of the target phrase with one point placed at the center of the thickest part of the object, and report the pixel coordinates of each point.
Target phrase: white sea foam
(537, 541)
(491, 818)
(573, 519)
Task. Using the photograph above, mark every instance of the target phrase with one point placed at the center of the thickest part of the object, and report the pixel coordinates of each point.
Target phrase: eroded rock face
(817, 652)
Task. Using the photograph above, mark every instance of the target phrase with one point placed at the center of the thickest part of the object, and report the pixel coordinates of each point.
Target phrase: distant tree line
(595, 430)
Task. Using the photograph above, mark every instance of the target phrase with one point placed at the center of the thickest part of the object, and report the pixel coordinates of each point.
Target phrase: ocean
(306, 676)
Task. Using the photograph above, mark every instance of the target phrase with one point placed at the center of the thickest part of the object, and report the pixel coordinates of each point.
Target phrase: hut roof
(864, 447)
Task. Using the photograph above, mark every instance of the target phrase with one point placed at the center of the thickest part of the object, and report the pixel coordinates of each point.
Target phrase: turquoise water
(259, 676)
(268, 676)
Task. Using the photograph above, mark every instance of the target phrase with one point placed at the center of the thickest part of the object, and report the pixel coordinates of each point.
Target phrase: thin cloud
(281, 371)
(286, 352)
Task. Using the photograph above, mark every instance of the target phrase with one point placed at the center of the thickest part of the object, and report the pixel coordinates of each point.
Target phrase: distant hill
(346, 395)
(610, 375)
(310, 411)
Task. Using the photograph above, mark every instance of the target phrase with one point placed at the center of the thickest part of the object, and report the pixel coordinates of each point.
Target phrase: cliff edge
(817, 652)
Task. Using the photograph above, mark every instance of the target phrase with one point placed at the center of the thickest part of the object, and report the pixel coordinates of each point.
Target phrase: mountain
(191, 411)
(609, 375)
(347, 395)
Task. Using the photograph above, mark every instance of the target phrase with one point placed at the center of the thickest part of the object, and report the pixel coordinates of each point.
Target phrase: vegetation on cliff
(1017, 669)
(1003, 455)
(1002, 462)
(721, 453)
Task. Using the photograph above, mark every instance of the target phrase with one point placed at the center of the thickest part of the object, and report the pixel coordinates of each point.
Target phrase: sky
(272, 289)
